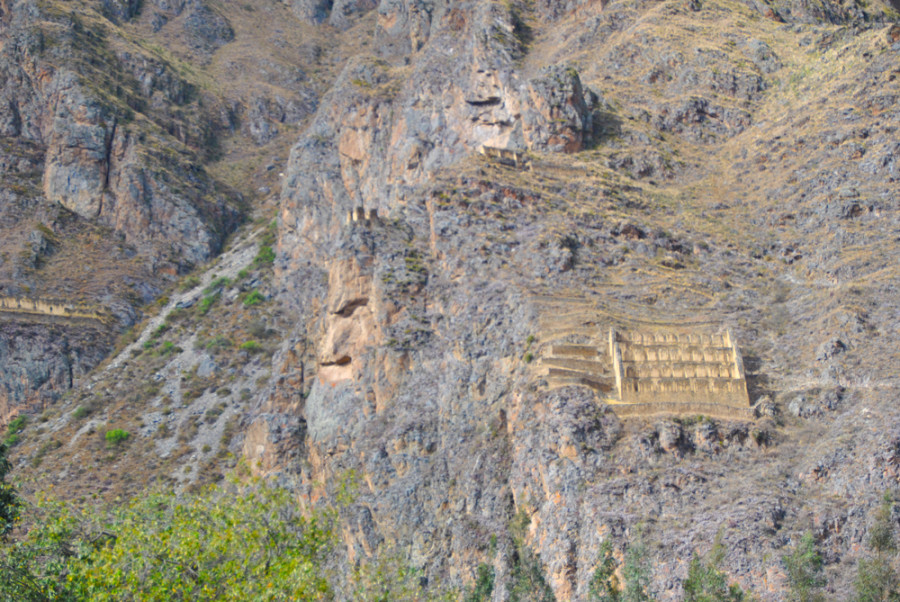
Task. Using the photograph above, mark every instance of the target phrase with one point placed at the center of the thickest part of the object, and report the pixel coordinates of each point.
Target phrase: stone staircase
(585, 365)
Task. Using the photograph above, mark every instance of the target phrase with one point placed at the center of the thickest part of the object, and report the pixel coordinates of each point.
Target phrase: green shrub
(388, 577)
(16, 424)
(270, 234)
(116, 437)
(706, 583)
(527, 580)
(217, 284)
(804, 570)
(207, 302)
(80, 412)
(881, 534)
(9, 501)
(265, 255)
(483, 586)
(254, 297)
(189, 283)
(251, 347)
(604, 585)
(14, 430)
(636, 572)
(876, 580)
(218, 342)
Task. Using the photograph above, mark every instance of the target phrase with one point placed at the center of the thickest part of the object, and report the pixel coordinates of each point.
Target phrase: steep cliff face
(423, 390)
(703, 164)
(389, 123)
(41, 362)
(99, 160)
(113, 177)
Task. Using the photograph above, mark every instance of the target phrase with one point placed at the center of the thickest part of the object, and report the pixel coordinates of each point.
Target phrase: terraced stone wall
(678, 368)
(49, 307)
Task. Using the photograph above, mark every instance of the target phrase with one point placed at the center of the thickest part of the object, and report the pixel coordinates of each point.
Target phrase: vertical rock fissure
(108, 162)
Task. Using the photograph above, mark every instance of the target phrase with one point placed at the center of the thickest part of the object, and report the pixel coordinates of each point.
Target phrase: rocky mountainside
(134, 142)
(684, 163)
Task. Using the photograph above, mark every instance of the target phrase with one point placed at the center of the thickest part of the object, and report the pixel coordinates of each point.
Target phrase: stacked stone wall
(694, 408)
(506, 156)
(50, 308)
(677, 368)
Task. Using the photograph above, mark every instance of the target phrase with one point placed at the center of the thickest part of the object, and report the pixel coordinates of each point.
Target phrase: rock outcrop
(98, 161)
(383, 128)
(94, 149)
(387, 129)
(684, 161)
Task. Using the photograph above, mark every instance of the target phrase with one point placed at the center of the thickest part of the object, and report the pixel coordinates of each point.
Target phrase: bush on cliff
(804, 570)
(9, 503)
(706, 582)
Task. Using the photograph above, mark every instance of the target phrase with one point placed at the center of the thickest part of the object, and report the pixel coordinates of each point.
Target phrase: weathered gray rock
(206, 29)
(121, 10)
(558, 114)
(312, 11)
(39, 362)
(407, 357)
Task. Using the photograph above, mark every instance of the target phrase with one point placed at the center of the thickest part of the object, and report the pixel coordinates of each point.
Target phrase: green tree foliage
(527, 583)
(636, 572)
(876, 581)
(804, 571)
(388, 578)
(881, 534)
(246, 544)
(706, 582)
(34, 568)
(484, 585)
(604, 585)
(9, 503)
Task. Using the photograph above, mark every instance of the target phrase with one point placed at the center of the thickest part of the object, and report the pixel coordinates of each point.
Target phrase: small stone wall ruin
(583, 365)
(506, 156)
(359, 215)
(25, 307)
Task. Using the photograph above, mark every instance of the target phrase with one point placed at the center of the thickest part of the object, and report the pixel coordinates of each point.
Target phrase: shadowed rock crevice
(351, 306)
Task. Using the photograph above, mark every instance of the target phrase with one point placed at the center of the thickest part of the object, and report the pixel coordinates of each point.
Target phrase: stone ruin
(506, 156)
(645, 373)
(25, 307)
(679, 373)
(359, 215)
(583, 365)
